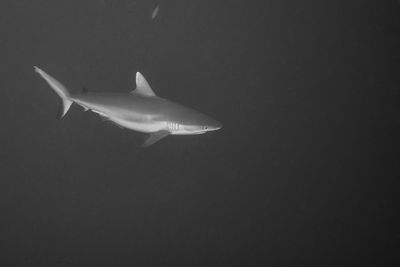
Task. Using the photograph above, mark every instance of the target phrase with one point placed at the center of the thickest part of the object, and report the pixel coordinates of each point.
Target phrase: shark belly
(144, 126)
(128, 118)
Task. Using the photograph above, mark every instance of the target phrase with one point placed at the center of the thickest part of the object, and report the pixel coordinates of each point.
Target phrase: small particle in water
(155, 11)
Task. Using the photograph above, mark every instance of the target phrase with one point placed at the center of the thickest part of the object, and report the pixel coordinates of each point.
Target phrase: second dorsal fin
(142, 86)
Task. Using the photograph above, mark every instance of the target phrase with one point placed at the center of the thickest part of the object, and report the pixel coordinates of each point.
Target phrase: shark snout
(215, 125)
(218, 125)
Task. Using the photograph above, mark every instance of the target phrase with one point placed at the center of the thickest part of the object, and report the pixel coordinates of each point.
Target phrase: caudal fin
(60, 89)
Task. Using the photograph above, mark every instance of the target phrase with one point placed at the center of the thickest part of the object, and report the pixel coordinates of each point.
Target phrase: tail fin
(60, 89)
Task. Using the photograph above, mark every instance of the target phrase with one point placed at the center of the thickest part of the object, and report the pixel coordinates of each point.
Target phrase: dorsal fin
(142, 86)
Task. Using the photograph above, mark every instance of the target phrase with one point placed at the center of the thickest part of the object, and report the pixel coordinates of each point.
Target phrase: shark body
(140, 110)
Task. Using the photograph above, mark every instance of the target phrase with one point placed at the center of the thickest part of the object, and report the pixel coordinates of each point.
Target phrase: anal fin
(155, 137)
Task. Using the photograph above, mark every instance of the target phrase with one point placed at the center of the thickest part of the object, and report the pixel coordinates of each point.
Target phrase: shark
(140, 110)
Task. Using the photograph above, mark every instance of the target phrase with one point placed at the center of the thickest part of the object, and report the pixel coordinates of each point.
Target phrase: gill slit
(173, 126)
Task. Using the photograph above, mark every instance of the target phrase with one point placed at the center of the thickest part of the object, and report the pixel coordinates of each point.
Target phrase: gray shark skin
(140, 110)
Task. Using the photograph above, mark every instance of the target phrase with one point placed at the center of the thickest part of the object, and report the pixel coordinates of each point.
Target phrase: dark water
(305, 171)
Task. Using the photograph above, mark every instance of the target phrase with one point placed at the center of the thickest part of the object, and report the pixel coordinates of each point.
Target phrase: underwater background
(305, 170)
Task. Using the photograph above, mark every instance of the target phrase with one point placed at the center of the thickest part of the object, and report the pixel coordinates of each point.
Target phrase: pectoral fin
(154, 137)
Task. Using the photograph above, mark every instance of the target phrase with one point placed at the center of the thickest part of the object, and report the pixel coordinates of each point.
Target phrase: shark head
(211, 125)
(200, 125)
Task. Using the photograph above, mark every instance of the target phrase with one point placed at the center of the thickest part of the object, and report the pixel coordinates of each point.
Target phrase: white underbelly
(141, 126)
(145, 124)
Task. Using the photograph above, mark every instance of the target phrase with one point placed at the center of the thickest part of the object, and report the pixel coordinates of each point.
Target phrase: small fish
(155, 11)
